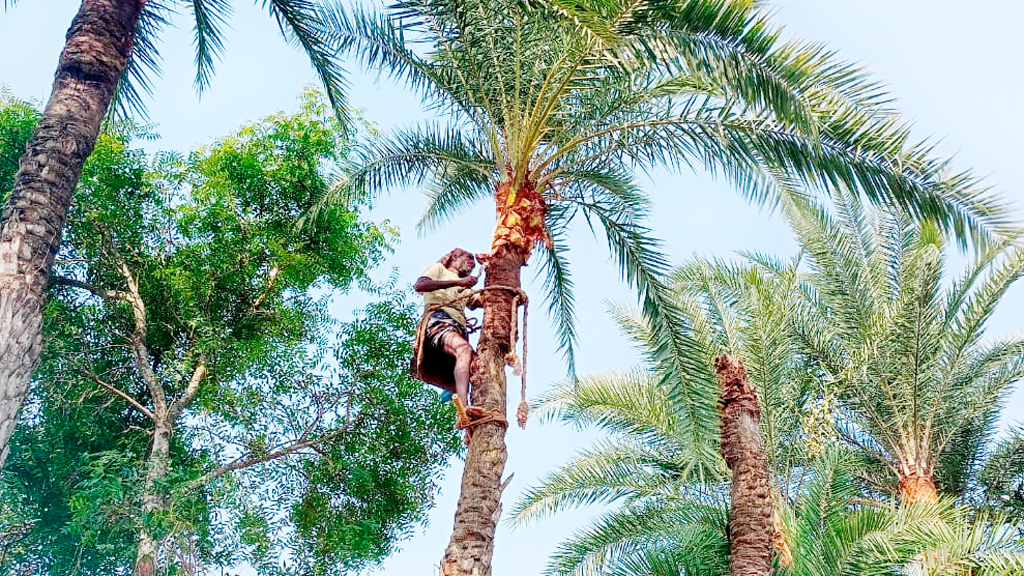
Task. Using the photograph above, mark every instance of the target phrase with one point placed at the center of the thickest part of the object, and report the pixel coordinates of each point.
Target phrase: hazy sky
(954, 66)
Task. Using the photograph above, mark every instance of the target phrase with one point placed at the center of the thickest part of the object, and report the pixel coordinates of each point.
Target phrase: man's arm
(424, 284)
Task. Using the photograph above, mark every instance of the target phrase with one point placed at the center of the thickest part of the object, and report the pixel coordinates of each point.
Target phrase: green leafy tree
(553, 105)
(110, 48)
(918, 389)
(182, 403)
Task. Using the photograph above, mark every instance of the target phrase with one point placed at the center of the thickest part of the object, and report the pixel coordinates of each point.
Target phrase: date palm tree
(918, 389)
(656, 464)
(109, 51)
(550, 106)
(670, 501)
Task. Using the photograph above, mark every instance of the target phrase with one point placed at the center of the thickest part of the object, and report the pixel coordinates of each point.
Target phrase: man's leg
(457, 346)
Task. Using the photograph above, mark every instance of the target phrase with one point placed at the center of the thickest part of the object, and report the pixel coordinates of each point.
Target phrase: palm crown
(901, 346)
(552, 105)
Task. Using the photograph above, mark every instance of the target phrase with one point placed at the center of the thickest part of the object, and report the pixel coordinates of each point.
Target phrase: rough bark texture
(94, 56)
(750, 510)
(472, 544)
(917, 486)
(152, 500)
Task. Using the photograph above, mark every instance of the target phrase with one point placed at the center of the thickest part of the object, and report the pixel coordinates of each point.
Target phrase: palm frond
(677, 355)
(687, 533)
(608, 473)
(425, 155)
(208, 39)
(302, 22)
(135, 83)
(558, 289)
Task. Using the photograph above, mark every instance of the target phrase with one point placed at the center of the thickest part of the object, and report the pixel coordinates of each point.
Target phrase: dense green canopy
(284, 455)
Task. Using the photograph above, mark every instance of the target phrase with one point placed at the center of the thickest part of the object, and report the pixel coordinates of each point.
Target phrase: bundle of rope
(518, 366)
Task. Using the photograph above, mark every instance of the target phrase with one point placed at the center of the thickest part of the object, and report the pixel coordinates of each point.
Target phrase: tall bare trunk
(94, 56)
(152, 499)
(471, 547)
(750, 511)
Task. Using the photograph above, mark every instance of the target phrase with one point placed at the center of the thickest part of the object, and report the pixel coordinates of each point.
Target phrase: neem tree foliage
(188, 411)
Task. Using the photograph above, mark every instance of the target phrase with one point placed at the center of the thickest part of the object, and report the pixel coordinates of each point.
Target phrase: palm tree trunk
(472, 544)
(917, 486)
(94, 56)
(750, 510)
(152, 500)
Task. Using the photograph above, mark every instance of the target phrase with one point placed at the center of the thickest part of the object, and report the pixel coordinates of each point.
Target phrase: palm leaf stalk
(551, 107)
(108, 57)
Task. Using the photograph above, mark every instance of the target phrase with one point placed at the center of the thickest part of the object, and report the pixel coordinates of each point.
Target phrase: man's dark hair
(446, 260)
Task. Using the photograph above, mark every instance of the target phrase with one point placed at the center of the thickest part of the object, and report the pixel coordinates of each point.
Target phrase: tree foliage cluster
(878, 400)
(189, 294)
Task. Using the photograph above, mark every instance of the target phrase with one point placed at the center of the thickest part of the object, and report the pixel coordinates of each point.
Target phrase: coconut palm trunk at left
(94, 56)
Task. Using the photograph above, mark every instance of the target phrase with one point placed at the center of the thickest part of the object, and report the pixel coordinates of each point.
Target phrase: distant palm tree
(109, 49)
(552, 106)
(918, 390)
(671, 504)
(661, 457)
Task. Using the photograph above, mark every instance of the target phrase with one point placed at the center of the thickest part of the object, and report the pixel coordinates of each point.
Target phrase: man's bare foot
(462, 418)
(465, 415)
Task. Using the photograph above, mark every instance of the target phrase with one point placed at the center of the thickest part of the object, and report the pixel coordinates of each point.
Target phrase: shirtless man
(445, 288)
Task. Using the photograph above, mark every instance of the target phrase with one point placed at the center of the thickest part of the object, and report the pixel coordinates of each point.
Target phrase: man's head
(460, 261)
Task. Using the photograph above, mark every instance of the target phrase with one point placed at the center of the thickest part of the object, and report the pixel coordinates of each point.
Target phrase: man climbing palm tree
(443, 353)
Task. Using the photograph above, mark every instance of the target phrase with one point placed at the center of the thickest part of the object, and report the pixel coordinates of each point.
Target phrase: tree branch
(111, 294)
(139, 338)
(190, 392)
(272, 277)
(243, 462)
(134, 403)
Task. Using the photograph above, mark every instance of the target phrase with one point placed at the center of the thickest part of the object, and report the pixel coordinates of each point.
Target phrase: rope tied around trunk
(518, 366)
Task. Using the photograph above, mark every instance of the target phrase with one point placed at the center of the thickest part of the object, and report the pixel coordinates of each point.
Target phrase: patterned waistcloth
(442, 323)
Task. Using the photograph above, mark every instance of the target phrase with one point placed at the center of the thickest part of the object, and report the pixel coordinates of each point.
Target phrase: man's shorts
(440, 324)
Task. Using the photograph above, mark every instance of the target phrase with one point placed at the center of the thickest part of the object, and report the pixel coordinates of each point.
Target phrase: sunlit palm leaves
(573, 97)
(299, 21)
(900, 345)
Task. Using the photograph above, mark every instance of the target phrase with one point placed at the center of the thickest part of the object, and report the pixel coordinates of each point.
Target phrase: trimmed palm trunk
(751, 528)
(917, 484)
(94, 56)
(520, 224)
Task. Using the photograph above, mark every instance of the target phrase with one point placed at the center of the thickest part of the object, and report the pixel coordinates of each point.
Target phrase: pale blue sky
(953, 65)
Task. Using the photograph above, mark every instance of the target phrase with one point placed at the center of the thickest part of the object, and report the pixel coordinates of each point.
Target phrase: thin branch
(190, 392)
(134, 403)
(111, 294)
(274, 272)
(138, 339)
(241, 463)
